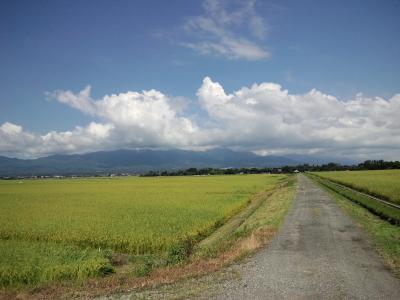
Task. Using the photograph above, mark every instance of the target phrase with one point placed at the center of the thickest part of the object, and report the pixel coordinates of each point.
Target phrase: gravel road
(318, 254)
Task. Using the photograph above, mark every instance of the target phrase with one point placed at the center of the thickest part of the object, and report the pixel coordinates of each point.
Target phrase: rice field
(26, 262)
(381, 183)
(68, 228)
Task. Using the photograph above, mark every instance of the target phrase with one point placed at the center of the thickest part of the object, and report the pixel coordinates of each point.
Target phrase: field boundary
(227, 229)
(389, 213)
(359, 192)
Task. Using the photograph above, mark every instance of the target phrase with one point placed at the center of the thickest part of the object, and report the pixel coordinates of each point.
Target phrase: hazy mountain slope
(137, 161)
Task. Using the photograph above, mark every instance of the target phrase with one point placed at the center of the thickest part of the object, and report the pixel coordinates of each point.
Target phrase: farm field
(84, 220)
(32, 262)
(380, 183)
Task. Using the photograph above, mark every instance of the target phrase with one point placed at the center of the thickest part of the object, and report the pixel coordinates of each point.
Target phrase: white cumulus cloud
(146, 119)
(264, 118)
(20, 143)
(267, 114)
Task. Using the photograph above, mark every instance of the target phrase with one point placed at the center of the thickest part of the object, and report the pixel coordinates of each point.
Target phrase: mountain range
(139, 161)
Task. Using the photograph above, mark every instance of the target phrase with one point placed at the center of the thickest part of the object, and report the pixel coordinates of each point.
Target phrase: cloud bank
(221, 29)
(264, 118)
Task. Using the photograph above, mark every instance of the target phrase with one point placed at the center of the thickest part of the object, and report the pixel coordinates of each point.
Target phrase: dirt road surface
(319, 253)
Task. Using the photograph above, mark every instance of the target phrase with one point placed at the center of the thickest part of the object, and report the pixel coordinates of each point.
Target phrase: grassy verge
(272, 211)
(254, 226)
(385, 236)
(384, 184)
(385, 212)
(213, 244)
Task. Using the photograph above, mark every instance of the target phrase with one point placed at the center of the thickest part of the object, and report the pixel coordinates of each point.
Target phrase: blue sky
(340, 48)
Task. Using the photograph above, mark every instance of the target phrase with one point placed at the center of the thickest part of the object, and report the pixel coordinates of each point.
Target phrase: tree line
(366, 165)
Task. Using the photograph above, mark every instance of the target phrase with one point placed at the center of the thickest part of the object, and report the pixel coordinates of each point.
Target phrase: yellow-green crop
(133, 215)
(27, 262)
(381, 183)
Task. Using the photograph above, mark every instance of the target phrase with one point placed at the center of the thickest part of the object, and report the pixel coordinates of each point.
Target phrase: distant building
(296, 171)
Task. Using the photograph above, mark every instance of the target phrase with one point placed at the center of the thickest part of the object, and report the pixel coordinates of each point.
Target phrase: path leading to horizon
(319, 253)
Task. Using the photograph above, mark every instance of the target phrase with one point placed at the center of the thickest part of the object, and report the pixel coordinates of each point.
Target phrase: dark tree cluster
(379, 165)
(214, 171)
(366, 165)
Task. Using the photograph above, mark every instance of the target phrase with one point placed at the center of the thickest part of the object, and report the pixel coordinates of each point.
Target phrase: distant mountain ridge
(120, 161)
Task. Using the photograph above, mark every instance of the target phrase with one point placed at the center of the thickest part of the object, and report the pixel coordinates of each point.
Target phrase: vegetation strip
(384, 211)
(361, 193)
(385, 236)
(226, 230)
(383, 184)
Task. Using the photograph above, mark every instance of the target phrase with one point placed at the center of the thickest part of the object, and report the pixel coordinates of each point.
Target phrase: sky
(272, 77)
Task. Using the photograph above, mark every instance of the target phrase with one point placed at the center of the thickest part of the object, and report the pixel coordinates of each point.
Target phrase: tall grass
(382, 183)
(31, 263)
(380, 209)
